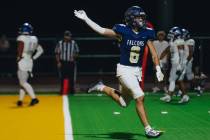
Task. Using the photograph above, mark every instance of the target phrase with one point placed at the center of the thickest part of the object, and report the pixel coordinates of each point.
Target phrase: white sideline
(67, 119)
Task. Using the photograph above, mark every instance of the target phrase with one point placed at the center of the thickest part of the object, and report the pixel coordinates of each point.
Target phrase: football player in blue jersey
(133, 37)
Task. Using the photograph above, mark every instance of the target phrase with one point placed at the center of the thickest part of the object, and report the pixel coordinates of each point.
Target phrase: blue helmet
(174, 33)
(185, 34)
(26, 28)
(131, 15)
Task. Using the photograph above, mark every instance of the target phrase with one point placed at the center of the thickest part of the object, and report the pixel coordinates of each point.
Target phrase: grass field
(96, 117)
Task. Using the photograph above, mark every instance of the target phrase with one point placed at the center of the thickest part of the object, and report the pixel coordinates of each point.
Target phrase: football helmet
(174, 33)
(26, 28)
(185, 34)
(135, 17)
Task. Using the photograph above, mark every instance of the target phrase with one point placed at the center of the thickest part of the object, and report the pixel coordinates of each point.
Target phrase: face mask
(139, 22)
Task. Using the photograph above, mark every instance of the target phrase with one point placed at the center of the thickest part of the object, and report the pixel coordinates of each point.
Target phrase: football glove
(81, 14)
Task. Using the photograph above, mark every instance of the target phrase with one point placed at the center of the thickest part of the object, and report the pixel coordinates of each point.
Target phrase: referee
(66, 52)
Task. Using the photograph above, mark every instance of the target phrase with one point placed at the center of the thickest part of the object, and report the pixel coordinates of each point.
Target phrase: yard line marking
(67, 119)
(164, 112)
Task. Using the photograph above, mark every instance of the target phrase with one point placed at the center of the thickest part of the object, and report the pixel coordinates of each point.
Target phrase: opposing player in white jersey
(178, 55)
(27, 51)
(190, 44)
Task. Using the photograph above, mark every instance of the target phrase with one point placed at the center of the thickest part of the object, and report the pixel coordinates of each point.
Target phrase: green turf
(93, 119)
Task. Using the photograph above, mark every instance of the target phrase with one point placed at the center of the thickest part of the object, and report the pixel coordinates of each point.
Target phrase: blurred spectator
(160, 45)
(66, 53)
(4, 43)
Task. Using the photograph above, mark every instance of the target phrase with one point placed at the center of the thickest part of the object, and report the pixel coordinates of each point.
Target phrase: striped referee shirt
(67, 50)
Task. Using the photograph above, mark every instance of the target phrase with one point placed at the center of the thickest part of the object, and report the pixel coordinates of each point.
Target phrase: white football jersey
(174, 53)
(30, 45)
(178, 56)
(190, 42)
(160, 46)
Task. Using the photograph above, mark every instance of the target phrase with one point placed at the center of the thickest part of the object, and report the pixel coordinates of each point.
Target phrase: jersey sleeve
(20, 38)
(35, 39)
(119, 28)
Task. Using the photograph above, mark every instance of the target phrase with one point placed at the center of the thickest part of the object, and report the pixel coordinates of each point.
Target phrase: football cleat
(184, 99)
(153, 133)
(34, 101)
(96, 87)
(155, 89)
(166, 98)
(19, 103)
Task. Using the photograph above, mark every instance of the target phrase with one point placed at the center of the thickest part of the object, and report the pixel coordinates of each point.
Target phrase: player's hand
(159, 74)
(80, 14)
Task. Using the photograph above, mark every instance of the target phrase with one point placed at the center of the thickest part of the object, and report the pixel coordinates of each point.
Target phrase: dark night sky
(50, 18)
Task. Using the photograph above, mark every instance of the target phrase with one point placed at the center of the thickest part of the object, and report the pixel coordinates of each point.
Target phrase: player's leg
(23, 77)
(113, 93)
(190, 75)
(21, 97)
(172, 84)
(165, 70)
(185, 97)
(131, 83)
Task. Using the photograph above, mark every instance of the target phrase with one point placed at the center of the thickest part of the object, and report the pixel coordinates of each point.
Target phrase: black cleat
(34, 101)
(153, 133)
(19, 103)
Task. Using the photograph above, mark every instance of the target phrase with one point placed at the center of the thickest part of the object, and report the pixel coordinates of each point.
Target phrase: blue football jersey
(132, 44)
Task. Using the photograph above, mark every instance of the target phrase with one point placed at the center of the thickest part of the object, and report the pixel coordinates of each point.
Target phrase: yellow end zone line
(47, 120)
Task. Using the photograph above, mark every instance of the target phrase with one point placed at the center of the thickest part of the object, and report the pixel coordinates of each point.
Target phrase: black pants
(67, 72)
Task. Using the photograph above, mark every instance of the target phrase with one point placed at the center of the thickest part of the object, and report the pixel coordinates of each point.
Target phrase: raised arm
(81, 14)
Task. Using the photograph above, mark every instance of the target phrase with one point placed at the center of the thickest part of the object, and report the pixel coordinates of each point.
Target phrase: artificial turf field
(96, 117)
(93, 118)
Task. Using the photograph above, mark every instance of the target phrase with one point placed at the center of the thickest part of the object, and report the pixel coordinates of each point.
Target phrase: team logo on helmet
(135, 17)
(26, 28)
